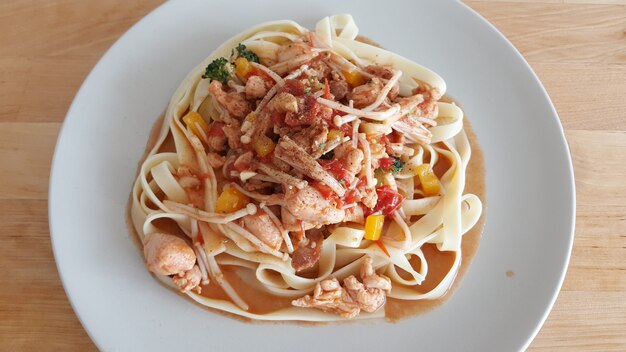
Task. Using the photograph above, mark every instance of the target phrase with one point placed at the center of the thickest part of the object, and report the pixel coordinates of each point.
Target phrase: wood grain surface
(576, 47)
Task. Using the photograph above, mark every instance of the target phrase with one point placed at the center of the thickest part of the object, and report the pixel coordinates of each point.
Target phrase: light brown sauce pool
(439, 263)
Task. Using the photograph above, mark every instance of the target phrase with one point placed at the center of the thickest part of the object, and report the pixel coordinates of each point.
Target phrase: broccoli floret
(220, 70)
(242, 51)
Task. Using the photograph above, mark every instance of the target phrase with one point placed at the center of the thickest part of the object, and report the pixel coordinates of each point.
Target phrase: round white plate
(530, 185)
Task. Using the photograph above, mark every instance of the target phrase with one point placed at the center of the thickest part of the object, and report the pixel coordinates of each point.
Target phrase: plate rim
(570, 169)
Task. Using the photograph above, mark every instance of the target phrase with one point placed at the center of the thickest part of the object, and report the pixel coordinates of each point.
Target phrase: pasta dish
(303, 175)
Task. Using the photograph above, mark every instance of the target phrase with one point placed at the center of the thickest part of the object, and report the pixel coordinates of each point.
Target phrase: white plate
(530, 185)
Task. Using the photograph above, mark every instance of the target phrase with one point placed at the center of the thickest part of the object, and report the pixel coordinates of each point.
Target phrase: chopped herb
(220, 70)
(307, 90)
(398, 165)
(328, 156)
(242, 51)
(393, 164)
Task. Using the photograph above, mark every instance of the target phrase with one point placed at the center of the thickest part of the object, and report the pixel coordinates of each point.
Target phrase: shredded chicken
(339, 89)
(329, 296)
(264, 229)
(192, 186)
(367, 196)
(385, 73)
(319, 68)
(351, 157)
(367, 93)
(235, 103)
(431, 95)
(309, 205)
(283, 102)
(170, 255)
(233, 134)
(257, 87)
(312, 138)
(354, 214)
(348, 300)
(372, 294)
(189, 280)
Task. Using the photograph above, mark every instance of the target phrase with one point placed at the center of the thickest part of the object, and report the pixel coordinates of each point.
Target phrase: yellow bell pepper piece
(334, 134)
(354, 78)
(231, 200)
(428, 179)
(196, 124)
(264, 146)
(374, 227)
(243, 67)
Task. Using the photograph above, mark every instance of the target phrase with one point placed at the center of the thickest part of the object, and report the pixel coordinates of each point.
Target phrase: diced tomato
(337, 169)
(311, 106)
(386, 163)
(353, 195)
(388, 201)
(324, 190)
(293, 87)
(395, 137)
(217, 129)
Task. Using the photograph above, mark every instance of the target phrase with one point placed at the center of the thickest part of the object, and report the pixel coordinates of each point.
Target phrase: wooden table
(577, 47)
